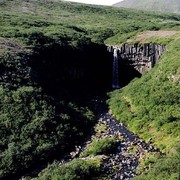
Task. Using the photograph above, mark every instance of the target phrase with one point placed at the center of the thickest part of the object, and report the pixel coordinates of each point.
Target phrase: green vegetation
(88, 166)
(71, 23)
(51, 53)
(150, 108)
(100, 147)
(100, 128)
(32, 128)
(133, 149)
(152, 5)
(76, 169)
(164, 168)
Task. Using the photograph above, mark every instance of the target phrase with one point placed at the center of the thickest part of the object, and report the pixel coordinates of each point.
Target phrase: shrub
(76, 169)
(101, 146)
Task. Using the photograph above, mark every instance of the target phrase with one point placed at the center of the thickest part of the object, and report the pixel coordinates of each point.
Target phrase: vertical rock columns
(141, 57)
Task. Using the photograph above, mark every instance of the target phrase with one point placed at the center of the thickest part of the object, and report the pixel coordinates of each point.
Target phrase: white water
(115, 70)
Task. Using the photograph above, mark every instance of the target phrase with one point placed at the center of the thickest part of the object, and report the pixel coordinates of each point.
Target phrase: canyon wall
(141, 57)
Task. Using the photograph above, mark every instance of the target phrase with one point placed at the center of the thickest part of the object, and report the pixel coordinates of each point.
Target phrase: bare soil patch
(149, 34)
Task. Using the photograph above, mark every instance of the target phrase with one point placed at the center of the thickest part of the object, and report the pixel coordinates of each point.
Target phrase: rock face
(142, 58)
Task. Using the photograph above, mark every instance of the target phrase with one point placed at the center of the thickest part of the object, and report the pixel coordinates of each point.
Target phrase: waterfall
(115, 70)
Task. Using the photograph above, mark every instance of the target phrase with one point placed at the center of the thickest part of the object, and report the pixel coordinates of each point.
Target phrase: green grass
(150, 108)
(76, 169)
(32, 127)
(100, 147)
(33, 123)
(163, 169)
(154, 105)
(70, 20)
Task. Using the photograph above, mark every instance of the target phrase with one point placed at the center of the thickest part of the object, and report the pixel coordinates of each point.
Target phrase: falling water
(115, 80)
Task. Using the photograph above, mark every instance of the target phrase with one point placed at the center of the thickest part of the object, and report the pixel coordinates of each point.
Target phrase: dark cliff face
(143, 57)
(64, 71)
(134, 60)
(61, 70)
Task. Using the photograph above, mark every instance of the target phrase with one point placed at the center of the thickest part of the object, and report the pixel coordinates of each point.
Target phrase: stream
(121, 165)
(130, 149)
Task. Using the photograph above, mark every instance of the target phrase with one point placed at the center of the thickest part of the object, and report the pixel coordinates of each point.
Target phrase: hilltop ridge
(171, 6)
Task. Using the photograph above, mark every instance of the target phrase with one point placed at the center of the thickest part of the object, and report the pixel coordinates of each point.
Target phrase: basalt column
(139, 58)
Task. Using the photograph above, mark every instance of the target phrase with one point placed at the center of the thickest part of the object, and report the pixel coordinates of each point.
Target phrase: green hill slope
(149, 106)
(172, 6)
(51, 53)
(73, 21)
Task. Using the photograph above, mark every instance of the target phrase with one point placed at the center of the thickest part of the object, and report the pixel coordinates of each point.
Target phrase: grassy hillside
(51, 53)
(171, 6)
(70, 22)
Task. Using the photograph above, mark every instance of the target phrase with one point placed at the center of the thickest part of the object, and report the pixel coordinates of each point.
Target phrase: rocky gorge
(122, 162)
(142, 57)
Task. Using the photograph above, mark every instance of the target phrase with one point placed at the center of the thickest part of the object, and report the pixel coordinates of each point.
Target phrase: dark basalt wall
(134, 60)
(140, 57)
(64, 70)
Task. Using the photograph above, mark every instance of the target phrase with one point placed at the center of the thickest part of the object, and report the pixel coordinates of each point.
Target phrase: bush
(76, 169)
(164, 168)
(99, 147)
(33, 127)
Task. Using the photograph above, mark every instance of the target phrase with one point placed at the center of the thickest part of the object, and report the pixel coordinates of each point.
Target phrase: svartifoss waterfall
(115, 70)
(135, 59)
